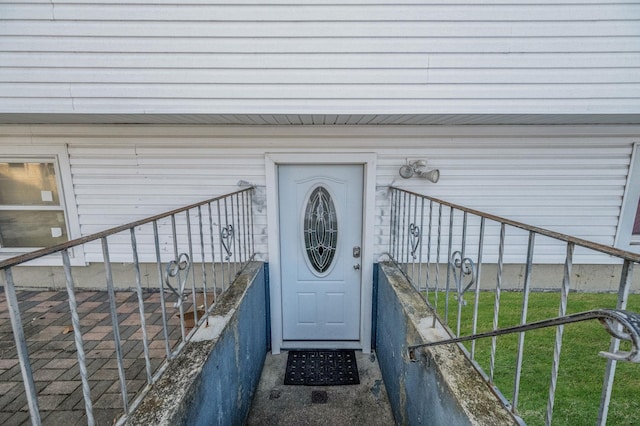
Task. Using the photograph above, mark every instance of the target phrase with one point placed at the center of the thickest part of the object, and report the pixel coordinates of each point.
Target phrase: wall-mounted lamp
(419, 169)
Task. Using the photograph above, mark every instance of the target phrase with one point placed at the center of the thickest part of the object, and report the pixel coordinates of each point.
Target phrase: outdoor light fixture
(419, 169)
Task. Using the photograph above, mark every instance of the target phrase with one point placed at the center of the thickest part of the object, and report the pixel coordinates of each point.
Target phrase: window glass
(31, 210)
(27, 228)
(320, 229)
(636, 222)
(28, 184)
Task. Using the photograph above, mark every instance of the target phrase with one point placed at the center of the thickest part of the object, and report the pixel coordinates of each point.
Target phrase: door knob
(356, 266)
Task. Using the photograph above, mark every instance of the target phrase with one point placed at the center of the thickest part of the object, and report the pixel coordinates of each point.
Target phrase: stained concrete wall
(584, 278)
(544, 277)
(213, 380)
(93, 276)
(441, 387)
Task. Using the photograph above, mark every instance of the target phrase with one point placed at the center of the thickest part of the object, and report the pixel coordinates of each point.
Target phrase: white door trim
(368, 161)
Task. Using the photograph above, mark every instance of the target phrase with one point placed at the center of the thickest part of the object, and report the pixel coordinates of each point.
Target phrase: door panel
(320, 224)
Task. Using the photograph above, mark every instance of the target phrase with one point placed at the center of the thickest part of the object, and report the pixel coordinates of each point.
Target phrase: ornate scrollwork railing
(444, 227)
(460, 268)
(414, 239)
(179, 268)
(621, 324)
(226, 237)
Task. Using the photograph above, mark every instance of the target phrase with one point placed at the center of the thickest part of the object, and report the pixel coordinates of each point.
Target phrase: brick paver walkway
(50, 340)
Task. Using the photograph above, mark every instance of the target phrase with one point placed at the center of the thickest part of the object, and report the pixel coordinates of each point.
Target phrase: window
(635, 232)
(31, 207)
(628, 234)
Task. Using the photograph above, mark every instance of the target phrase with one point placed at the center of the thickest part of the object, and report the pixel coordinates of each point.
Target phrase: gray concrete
(441, 387)
(212, 381)
(545, 277)
(363, 404)
(92, 276)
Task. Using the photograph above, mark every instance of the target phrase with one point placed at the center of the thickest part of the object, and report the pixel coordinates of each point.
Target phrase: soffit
(323, 119)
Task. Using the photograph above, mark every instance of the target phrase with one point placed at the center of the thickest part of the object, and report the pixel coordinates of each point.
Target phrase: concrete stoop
(363, 404)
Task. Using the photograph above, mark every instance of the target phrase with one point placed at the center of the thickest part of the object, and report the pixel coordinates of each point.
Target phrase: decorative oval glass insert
(320, 229)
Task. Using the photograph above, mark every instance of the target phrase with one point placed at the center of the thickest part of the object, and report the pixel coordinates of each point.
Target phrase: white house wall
(301, 57)
(568, 179)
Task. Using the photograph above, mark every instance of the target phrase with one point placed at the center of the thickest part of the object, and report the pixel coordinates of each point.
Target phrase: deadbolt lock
(356, 252)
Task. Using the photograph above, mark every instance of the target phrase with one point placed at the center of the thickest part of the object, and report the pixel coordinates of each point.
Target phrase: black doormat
(322, 368)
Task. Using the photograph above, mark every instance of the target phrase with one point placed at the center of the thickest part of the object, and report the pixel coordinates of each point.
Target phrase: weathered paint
(442, 387)
(212, 381)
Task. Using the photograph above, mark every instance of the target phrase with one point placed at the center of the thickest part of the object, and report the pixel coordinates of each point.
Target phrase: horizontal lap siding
(573, 185)
(300, 57)
(569, 186)
(121, 183)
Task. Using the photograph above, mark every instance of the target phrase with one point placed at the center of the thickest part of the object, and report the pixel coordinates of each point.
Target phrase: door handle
(356, 266)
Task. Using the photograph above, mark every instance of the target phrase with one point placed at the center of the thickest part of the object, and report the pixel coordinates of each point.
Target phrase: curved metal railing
(429, 236)
(218, 231)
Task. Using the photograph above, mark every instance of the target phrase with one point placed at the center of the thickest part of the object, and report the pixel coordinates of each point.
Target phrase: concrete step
(363, 404)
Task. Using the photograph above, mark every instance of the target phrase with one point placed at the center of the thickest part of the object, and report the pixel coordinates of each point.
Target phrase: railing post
(462, 259)
(392, 221)
(115, 324)
(221, 245)
(562, 311)
(244, 227)
(523, 319)
(213, 253)
(251, 230)
(610, 369)
(478, 279)
(448, 282)
(420, 249)
(21, 346)
(77, 334)
(176, 256)
(403, 228)
(232, 244)
(438, 246)
(204, 268)
(156, 239)
(143, 320)
(428, 277)
(193, 275)
(496, 306)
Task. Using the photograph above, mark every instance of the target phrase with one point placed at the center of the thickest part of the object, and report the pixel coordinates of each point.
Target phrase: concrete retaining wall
(213, 380)
(441, 387)
(584, 278)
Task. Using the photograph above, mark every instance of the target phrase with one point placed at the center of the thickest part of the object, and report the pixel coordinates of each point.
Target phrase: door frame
(368, 162)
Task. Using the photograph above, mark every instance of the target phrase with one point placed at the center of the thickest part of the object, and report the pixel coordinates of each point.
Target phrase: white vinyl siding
(122, 183)
(572, 186)
(352, 57)
(567, 179)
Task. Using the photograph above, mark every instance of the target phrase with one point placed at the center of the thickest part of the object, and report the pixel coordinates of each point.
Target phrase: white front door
(320, 245)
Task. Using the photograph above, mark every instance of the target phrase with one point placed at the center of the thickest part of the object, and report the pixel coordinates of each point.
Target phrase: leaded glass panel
(320, 229)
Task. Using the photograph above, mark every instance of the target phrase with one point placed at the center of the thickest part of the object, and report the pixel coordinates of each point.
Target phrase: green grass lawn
(581, 369)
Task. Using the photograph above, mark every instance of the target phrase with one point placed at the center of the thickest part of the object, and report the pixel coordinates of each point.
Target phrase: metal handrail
(236, 246)
(613, 320)
(416, 223)
(612, 251)
(36, 254)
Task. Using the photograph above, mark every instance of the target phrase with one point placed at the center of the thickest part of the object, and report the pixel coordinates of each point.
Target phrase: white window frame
(624, 239)
(59, 156)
